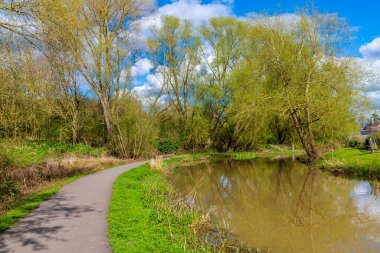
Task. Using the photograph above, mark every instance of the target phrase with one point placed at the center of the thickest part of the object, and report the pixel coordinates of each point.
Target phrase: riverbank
(352, 162)
(31, 172)
(146, 214)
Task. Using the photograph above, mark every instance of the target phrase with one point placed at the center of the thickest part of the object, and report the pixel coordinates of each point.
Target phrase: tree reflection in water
(285, 206)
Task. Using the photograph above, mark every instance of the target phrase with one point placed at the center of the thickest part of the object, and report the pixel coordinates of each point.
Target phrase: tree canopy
(225, 84)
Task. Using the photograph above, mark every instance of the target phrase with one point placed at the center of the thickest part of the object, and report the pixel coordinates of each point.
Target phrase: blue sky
(362, 15)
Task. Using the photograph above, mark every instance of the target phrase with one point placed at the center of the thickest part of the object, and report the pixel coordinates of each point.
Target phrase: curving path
(73, 220)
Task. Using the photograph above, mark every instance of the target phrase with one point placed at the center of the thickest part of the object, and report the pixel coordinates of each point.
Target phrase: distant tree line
(226, 84)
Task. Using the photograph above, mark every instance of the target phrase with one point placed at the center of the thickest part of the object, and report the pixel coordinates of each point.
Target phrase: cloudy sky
(363, 15)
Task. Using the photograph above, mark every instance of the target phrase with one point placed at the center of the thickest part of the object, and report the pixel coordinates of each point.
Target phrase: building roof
(372, 126)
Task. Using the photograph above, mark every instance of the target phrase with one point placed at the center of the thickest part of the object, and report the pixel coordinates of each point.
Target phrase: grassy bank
(31, 172)
(352, 162)
(28, 153)
(141, 218)
(269, 152)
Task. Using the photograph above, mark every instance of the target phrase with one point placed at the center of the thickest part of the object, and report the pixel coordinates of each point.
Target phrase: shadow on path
(41, 226)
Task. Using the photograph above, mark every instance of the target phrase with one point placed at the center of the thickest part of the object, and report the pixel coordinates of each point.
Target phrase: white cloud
(370, 62)
(142, 67)
(375, 97)
(192, 10)
(196, 11)
(371, 50)
(149, 91)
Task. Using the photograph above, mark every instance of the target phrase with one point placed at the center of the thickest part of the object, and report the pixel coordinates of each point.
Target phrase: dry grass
(214, 239)
(18, 183)
(157, 163)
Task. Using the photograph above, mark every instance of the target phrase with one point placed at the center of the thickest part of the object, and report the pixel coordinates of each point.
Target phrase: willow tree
(174, 51)
(293, 71)
(223, 45)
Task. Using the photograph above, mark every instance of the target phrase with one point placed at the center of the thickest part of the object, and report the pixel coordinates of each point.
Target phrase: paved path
(72, 221)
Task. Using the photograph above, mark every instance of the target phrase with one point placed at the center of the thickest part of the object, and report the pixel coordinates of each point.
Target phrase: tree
(101, 39)
(222, 49)
(135, 129)
(174, 51)
(17, 21)
(197, 131)
(293, 71)
(21, 107)
(65, 95)
(108, 48)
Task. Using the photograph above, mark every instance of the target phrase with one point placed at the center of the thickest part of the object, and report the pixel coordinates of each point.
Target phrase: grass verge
(268, 153)
(352, 162)
(140, 219)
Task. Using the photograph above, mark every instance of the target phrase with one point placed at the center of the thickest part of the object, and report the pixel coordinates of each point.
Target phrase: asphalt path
(73, 220)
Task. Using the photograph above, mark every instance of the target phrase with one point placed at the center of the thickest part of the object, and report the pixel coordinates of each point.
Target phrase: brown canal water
(284, 205)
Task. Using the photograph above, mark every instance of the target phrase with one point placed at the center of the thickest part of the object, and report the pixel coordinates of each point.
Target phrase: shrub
(197, 133)
(134, 130)
(167, 146)
(4, 160)
(352, 143)
(8, 186)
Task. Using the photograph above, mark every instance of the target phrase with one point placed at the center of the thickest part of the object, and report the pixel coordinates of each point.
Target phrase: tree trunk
(313, 149)
(107, 117)
(306, 138)
(74, 136)
(75, 126)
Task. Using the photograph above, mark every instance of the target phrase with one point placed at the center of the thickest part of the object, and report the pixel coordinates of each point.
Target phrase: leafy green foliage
(135, 131)
(8, 186)
(197, 133)
(352, 143)
(168, 146)
(292, 73)
(226, 85)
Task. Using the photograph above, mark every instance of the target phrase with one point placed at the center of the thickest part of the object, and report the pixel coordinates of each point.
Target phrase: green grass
(269, 153)
(353, 162)
(141, 216)
(27, 153)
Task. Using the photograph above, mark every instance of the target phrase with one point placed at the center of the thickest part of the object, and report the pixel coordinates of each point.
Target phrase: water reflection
(285, 206)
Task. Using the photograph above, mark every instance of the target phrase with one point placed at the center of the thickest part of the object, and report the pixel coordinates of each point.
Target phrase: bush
(135, 130)
(8, 186)
(352, 143)
(167, 146)
(197, 133)
(4, 160)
